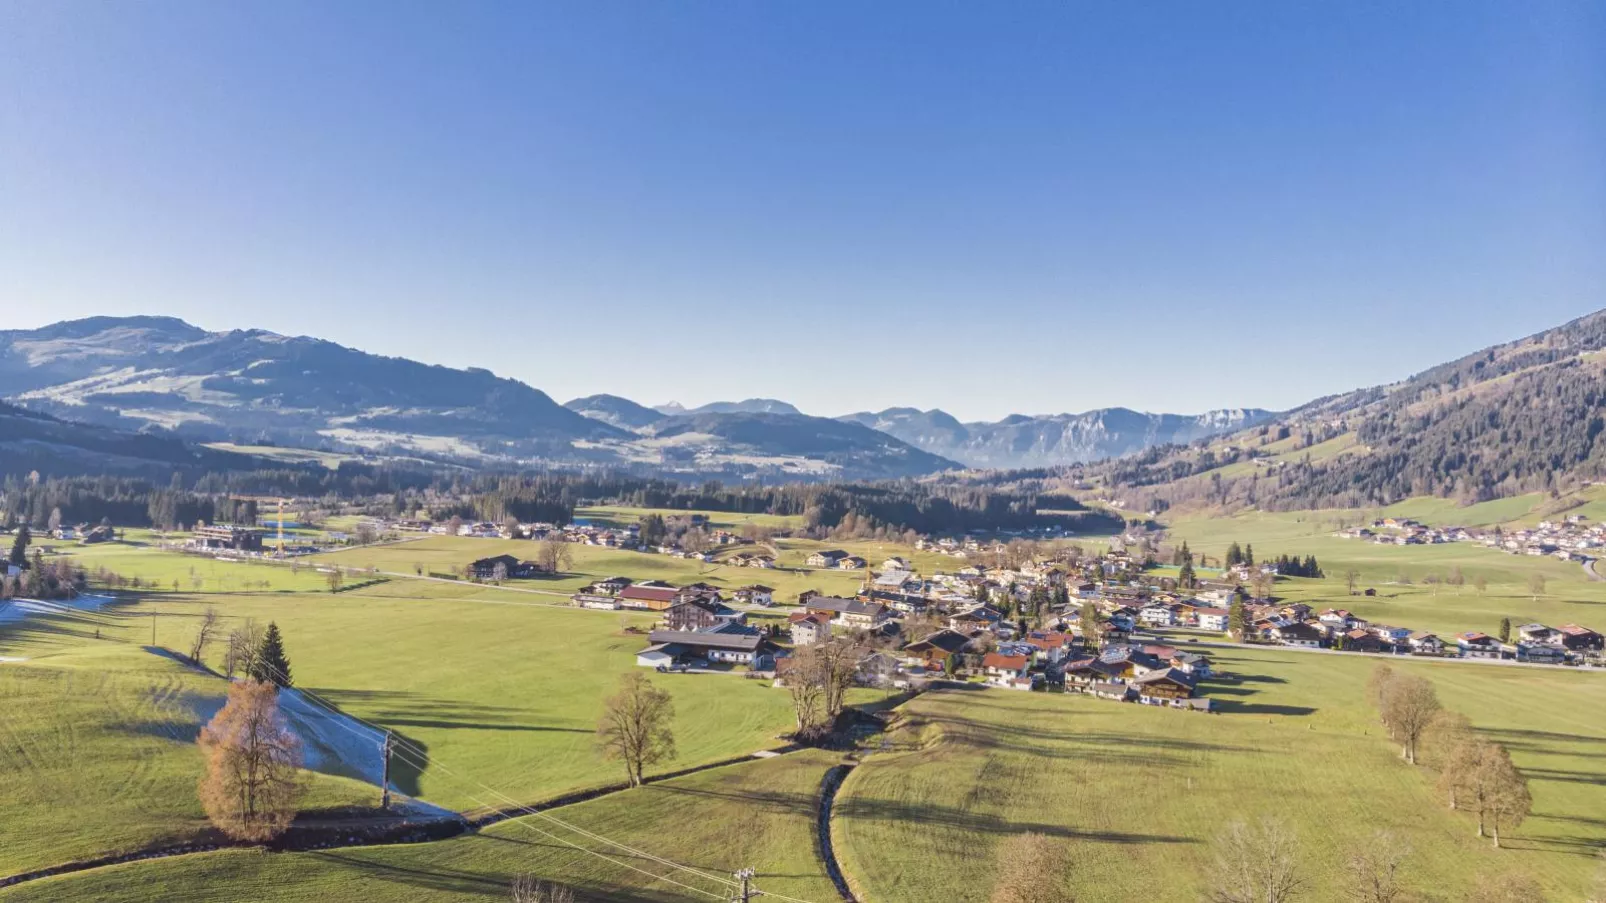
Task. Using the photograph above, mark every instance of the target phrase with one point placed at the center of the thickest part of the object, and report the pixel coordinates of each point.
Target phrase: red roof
(1004, 662)
(649, 593)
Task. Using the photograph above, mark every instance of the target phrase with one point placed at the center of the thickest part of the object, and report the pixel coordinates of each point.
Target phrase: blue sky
(991, 208)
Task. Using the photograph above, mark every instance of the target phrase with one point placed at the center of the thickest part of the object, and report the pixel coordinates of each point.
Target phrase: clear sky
(991, 208)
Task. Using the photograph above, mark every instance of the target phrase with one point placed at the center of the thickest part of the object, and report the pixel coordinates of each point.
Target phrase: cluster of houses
(912, 636)
(1572, 538)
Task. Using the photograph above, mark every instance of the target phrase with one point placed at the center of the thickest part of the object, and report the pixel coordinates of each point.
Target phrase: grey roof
(737, 641)
(844, 606)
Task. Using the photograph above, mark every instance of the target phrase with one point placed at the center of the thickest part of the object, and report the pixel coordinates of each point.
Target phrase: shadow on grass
(928, 815)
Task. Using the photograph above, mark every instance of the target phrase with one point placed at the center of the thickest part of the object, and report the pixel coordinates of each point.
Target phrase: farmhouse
(932, 652)
(502, 567)
(700, 615)
(1164, 687)
(1005, 669)
(1477, 645)
(825, 558)
(849, 612)
(651, 598)
(671, 646)
(1422, 643)
(755, 594)
(808, 628)
(1297, 634)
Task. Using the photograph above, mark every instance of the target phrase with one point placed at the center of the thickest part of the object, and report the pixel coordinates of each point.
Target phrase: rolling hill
(173, 381)
(31, 441)
(251, 385)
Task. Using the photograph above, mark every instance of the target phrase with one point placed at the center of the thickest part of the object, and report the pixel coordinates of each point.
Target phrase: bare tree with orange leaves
(252, 781)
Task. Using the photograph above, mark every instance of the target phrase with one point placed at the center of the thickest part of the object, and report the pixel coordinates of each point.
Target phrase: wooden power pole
(384, 781)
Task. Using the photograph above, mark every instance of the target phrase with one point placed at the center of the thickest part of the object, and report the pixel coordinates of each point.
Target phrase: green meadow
(1408, 580)
(500, 688)
(1136, 794)
(757, 815)
(97, 751)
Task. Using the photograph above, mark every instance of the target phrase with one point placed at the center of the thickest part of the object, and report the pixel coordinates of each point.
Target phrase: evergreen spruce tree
(1235, 555)
(19, 546)
(270, 664)
(1238, 618)
(1249, 554)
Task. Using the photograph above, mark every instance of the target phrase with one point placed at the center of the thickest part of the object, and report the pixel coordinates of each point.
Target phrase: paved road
(1589, 570)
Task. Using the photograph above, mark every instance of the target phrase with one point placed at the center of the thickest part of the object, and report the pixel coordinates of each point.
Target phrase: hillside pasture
(757, 815)
(98, 754)
(1136, 794)
(501, 686)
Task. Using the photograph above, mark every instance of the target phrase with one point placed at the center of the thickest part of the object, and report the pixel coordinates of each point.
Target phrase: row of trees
(1475, 774)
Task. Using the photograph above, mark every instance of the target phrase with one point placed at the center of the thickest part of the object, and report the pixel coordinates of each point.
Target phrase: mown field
(97, 751)
(757, 815)
(1400, 575)
(1137, 794)
(489, 683)
(448, 554)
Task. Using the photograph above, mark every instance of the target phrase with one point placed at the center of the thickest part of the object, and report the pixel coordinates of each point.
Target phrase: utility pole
(153, 630)
(746, 876)
(384, 782)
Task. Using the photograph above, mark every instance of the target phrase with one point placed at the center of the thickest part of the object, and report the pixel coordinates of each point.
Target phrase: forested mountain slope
(1520, 417)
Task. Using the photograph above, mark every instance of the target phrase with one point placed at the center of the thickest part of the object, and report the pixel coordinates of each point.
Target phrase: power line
(419, 760)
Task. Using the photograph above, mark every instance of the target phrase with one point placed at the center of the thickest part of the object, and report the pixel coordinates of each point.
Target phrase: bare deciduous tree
(1031, 869)
(1486, 781)
(529, 889)
(1373, 872)
(203, 634)
(1256, 865)
(1351, 578)
(252, 781)
(1377, 689)
(635, 726)
(244, 641)
(1509, 801)
(1409, 706)
(819, 677)
(1536, 585)
(554, 555)
(1448, 743)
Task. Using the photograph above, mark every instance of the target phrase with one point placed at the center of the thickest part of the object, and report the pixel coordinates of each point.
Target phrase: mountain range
(1523, 416)
(1053, 440)
(162, 376)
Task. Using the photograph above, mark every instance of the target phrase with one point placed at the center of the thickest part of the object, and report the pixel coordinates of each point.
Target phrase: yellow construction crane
(279, 503)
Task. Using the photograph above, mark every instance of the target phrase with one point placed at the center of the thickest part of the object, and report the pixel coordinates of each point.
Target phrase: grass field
(448, 554)
(755, 815)
(488, 683)
(1136, 794)
(97, 753)
(1568, 595)
(193, 573)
